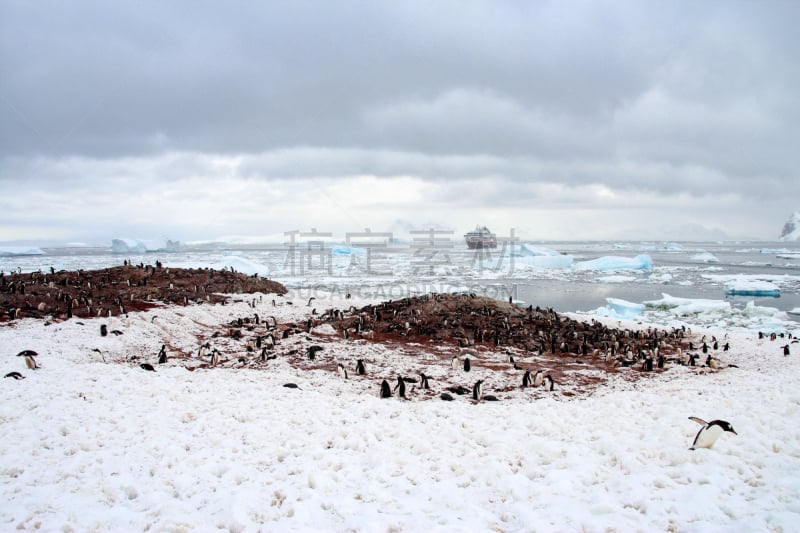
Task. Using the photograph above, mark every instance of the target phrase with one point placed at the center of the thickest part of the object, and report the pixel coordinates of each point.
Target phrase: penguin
(215, 357)
(162, 355)
(466, 364)
(549, 384)
(423, 379)
(454, 362)
(291, 385)
(446, 397)
(148, 367)
(360, 368)
(526, 379)
(477, 390)
(30, 362)
(15, 375)
(103, 330)
(342, 371)
(312, 351)
(386, 391)
(786, 350)
(710, 432)
(538, 378)
(712, 363)
(401, 384)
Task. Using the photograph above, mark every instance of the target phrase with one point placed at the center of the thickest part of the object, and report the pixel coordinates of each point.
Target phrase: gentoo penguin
(786, 350)
(549, 384)
(466, 364)
(103, 330)
(526, 379)
(15, 375)
(30, 362)
(312, 351)
(710, 432)
(538, 378)
(477, 390)
(360, 368)
(386, 391)
(291, 385)
(712, 363)
(446, 397)
(162, 355)
(148, 367)
(454, 362)
(342, 371)
(423, 379)
(215, 357)
(401, 384)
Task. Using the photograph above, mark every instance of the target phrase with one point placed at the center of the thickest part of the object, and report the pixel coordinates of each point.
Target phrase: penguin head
(724, 425)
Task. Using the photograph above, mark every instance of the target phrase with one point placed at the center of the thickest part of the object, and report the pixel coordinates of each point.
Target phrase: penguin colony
(60, 295)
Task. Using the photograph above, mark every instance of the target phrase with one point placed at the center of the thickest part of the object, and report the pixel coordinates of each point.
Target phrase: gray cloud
(520, 101)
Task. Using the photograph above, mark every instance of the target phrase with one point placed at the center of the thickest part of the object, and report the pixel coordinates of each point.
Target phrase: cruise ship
(480, 238)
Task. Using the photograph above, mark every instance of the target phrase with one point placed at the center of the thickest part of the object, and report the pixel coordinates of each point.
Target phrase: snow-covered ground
(90, 445)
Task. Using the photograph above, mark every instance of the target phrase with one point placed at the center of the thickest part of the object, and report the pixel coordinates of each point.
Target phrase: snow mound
(750, 287)
(791, 230)
(10, 251)
(245, 266)
(640, 262)
(138, 246)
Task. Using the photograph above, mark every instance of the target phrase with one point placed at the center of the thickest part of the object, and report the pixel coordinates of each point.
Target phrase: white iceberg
(640, 262)
(751, 287)
(688, 306)
(673, 247)
(791, 230)
(10, 251)
(348, 250)
(704, 257)
(138, 246)
(620, 309)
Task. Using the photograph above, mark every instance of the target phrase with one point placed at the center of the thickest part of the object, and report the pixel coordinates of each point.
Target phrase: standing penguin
(423, 380)
(786, 350)
(386, 391)
(454, 362)
(103, 330)
(477, 390)
(360, 367)
(538, 378)
(342, 371)
(401, 384)
(549, 384)
(29, 355)
(710, 432)
(526, 379)
(466, 364)
(162, 355)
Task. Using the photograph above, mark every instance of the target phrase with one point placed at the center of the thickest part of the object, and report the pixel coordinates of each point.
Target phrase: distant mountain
(791, 230)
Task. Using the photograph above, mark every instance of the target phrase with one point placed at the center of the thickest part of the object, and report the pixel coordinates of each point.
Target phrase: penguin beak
(734, 432)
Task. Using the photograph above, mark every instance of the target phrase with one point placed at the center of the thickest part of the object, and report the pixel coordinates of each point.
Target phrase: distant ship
(480, 238)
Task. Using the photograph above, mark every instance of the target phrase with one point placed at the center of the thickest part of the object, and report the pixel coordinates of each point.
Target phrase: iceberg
(523, 250)
(750, 287)
(704, 257)
(544, 261)
(688, 306)
(615, 279)
(673, 247)
(621, 309)
(791, 230)
(640, 262)
(138, 246)
(348, 250)
(11, 251)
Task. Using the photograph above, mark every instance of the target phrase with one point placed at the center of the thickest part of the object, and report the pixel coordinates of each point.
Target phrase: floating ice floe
(673, 247)
(10, 251)
(620, 309)
(704, 257)
(688, 306)
(138, 246)
(615, 279)
(348, 250)
(640, 262)
(750, 287)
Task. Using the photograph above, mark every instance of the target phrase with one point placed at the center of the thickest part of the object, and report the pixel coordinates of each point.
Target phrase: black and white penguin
(15, 375)
(712, 363)
(526, 379)
(342, 371)
(477, 390)
(30, 362)
(291, 385)
(162, 355)
(215, 357)
(454, 362)
(423, 380)
(786, 350)
(401, 384)
(710, 432)
(466, 364)
(538, 378)
(103, 330)
(386, 391)
(148, 367)
(360, 370)
(312, 351)
(446, 397)
(549, 384)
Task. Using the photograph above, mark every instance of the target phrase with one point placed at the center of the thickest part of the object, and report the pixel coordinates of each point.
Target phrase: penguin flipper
(698, 420)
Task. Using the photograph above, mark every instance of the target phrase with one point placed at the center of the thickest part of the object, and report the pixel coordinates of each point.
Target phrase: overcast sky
(563, 119)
